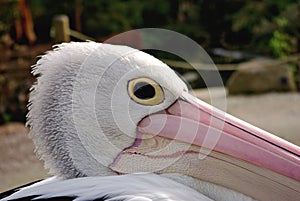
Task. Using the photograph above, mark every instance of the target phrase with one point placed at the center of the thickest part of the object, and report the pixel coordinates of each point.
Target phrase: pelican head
(100, 109)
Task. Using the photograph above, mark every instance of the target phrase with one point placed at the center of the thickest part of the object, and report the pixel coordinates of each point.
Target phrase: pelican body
(114, 123)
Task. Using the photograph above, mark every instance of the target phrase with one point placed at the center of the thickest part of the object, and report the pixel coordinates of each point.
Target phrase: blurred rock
(258, 76)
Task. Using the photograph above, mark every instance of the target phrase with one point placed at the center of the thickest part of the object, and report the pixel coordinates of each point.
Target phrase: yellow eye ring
(145, 91)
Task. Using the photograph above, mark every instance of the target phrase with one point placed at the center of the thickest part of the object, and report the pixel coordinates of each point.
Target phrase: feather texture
(133, 187)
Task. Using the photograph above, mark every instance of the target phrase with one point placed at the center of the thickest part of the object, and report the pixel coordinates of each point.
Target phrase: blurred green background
(265, 28)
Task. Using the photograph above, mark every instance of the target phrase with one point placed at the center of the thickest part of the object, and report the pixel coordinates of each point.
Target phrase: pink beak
(195, 122)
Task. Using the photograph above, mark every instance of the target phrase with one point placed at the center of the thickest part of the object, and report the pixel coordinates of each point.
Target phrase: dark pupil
(143, 90)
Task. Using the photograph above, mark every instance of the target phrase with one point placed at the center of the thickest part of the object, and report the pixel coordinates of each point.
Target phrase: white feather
(125, 187)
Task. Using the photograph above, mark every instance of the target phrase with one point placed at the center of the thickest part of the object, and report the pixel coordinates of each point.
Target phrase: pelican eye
(145, 91)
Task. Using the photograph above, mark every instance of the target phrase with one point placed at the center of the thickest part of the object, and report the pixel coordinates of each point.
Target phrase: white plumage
(139, 187)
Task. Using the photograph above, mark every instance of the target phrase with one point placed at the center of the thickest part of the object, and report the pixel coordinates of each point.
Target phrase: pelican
(114, 123)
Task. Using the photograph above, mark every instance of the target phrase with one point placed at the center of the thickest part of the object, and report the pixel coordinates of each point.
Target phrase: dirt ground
(18, 163)
(278, 113)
